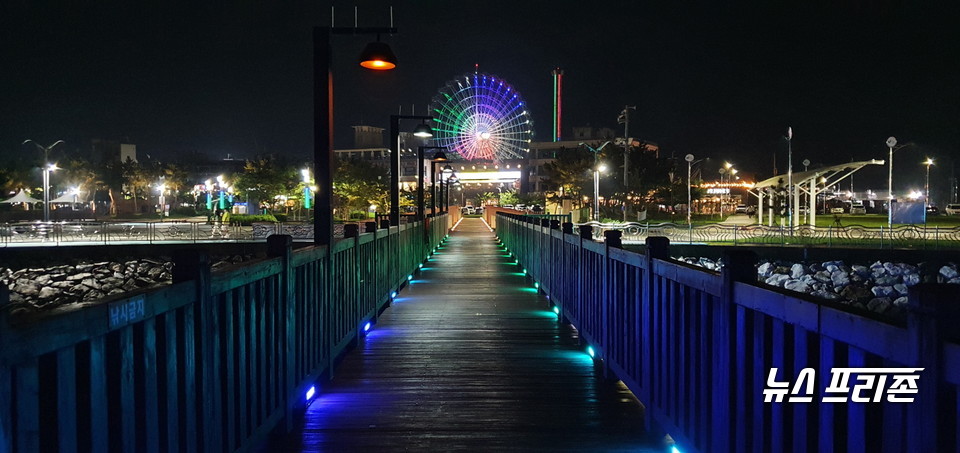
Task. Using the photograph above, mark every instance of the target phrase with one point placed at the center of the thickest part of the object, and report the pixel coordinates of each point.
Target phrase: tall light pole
(891, 142)
(376, 56)
(790, 177)
(421, 131)
(689, 158)
(926, 186)
(161, 189)
(439, 156)
(47, 168)
(625, 118)
(307, 202)
(596, 189)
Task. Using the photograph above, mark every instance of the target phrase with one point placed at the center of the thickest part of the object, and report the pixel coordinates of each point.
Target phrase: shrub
(249, 219)
(279, 217)
(187, 211)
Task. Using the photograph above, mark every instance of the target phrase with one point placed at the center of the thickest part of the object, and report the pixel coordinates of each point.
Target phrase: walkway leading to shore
(470, 358)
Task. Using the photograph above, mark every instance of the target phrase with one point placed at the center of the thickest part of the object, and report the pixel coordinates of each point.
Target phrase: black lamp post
(447, 175)
(438, 157)
(376, 56)
(422, 131)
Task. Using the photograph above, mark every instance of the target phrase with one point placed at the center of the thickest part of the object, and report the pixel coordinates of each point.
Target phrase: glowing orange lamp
(378, 56)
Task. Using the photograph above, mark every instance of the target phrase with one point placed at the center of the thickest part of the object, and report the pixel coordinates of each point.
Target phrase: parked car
(857, 208)
(508, 206)
(836, 210)
(521, 207)
(933, 210)
(741, 209)
(952, 209)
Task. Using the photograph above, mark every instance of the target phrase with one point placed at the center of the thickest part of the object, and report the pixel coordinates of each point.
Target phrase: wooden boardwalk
(469, 358)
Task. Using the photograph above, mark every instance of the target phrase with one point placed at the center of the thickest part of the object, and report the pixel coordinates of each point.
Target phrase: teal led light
(556, 309)
(409, 277)
(524, 272)
(420, 266)
(393, 295)
(590, 351)
(536, 285)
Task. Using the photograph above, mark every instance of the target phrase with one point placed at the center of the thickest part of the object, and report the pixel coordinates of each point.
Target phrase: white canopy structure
(67, 198)
(21, 197)
(803, 182)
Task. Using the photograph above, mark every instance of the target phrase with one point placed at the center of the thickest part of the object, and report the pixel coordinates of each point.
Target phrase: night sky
(712, 79)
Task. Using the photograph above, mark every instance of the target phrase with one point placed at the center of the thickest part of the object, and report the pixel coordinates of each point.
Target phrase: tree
(15, 174)
(358, 184)
(135, 176)
(482, 198)
(175, 177)
(265, 178)
(509, 198)
(571, 173)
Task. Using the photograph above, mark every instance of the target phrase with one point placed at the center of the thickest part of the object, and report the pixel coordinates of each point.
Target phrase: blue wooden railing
(696, 346)
(212, 362)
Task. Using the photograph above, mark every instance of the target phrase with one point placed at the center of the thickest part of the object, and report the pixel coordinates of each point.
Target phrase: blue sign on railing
(127, 311)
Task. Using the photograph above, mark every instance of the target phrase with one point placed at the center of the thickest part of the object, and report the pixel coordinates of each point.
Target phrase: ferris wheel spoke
(481, 117)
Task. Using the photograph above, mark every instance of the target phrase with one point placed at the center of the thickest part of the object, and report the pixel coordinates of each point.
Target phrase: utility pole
(790, 177)
(625, 116)
(625, 119)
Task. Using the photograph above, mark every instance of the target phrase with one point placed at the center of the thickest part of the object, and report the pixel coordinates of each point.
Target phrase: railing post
(281, 245)
(6, 405)
(350, 230)
(370, 227)
(739, 267)
(658, 247)
(195, 265)
(567, 228)
(384, 224)
(612, 240)
(586, 232)
(933, 311)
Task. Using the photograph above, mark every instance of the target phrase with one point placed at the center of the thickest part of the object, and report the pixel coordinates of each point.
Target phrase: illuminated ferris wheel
(481, 117)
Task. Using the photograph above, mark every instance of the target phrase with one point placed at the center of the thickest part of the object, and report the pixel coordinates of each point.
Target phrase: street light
(790, 177)
(926, 186)
(47, 168)
(161, 189)
(421, 131)
(305, 172)
(377, 56)
(439, 156)
(892, 145)
(689, 158)
(596, 189)
(722, 171)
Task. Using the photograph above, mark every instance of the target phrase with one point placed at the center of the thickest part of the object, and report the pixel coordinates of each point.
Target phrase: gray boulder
(797, 285)
(883, 291)
(797, 270)
(948, 272)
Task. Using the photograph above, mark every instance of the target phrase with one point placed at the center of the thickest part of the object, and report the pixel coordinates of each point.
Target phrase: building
(477, 176)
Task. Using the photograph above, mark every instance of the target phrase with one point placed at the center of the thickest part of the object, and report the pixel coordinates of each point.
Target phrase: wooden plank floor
(469, 358)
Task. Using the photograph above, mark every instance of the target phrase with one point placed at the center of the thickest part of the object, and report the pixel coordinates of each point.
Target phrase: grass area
(878, 220)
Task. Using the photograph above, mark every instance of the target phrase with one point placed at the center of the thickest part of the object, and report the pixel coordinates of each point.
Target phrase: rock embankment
(880, 287)
(49, 287)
